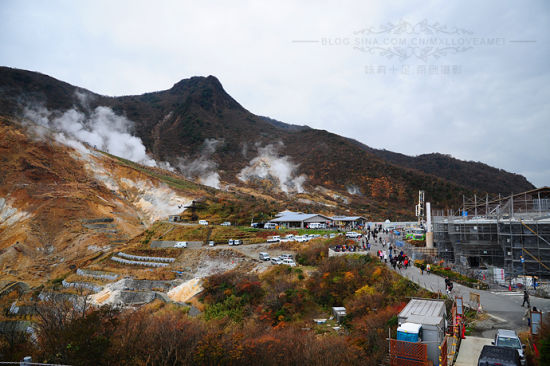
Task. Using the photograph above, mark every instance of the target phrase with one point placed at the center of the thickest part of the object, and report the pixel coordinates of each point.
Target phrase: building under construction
(511, 232)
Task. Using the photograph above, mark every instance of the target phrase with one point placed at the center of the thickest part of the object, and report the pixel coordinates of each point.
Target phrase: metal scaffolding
(510, 232)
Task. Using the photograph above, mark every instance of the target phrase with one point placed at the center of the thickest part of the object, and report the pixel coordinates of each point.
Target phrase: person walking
(525, 298)
(422, 268)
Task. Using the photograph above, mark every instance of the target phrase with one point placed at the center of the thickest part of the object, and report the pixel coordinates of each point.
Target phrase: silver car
(289, 262)
(509, 339)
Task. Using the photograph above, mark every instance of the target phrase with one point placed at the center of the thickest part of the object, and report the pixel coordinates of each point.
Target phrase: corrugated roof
(347, 218)
(422, 310)
(286, 212)
(296, 217)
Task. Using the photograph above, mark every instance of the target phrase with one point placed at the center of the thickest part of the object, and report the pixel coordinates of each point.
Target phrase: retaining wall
(145, 258)
(86, 285)
(139, 263)
(97, 274)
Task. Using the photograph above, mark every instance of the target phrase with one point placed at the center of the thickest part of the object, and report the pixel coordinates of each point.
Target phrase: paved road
(470, 349)
(503, 306)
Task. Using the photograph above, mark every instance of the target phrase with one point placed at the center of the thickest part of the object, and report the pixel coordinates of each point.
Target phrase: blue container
(409, 337)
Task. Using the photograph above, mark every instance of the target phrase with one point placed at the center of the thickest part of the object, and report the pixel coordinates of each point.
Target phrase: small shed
(174, 218)
(351, 222)
(339, 313)
(431, 315)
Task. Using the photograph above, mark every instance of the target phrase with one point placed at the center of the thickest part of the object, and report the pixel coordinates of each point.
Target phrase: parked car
(332, 236)
(285, 256)
(270, 225)
(264, 256)
(180, 244)
(501, 356)
(301, 238)
(226, 223)
(352, 234)
(276, 260)
(211, 243)
(237, 242)
(289, 262)
(231, 242)
(273, 239)
(203, 222)
(509, 338)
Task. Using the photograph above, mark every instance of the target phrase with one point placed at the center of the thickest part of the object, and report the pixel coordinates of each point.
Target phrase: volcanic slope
(197, 115)
(60, 206)
(64, 205)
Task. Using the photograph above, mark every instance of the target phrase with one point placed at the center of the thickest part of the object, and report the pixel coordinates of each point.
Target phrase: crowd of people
(389, 254)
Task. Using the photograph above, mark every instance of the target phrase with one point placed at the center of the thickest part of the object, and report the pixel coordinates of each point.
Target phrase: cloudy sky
(466, 78)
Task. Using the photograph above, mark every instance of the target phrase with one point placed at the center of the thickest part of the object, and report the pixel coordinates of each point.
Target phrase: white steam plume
(202, 168)
(269, 165)
(102, 129)
(353, 189)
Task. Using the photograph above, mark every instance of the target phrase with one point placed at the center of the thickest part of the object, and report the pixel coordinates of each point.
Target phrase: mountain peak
(208, 89)
(197, 82)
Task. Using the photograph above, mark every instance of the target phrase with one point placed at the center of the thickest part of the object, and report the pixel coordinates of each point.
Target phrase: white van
(270, 225)
(317, 225)
(181, 244)
(264, 256)
(274, 239)
(352, 234)
(203, 222)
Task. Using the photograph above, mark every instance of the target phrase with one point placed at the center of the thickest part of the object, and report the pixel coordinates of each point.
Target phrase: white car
(289, 262)
(352, 234)
(237, 242)
(231, 242)
(273, 239)
(276, 260)
(286, 256)
(180, 244)
(203, 222)
(226, 223)
(211, 243)
(301, 239)
(332, 236)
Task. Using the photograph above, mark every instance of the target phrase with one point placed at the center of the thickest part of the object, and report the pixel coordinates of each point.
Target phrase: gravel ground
(253, 251)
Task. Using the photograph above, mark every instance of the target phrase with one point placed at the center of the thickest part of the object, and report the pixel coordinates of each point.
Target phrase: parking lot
(253, 252)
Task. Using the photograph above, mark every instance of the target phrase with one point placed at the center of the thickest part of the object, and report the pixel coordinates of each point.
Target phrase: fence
(443, 359)
(403, 353)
